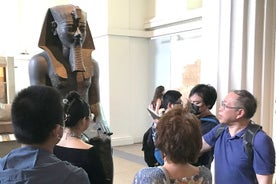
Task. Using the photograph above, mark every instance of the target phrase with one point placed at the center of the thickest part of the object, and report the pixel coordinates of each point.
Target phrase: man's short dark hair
(35, 112)
(207, 92)
(171, 96)
(247, 101)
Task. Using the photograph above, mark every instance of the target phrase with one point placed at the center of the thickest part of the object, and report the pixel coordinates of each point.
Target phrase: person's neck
(178, 171)
(65, 52)
(72, 133)
(46, 147)
(236, 127)
(204, 114)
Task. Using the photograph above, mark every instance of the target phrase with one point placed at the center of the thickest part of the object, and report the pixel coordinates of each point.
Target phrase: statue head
(66, 26)
(69, 25)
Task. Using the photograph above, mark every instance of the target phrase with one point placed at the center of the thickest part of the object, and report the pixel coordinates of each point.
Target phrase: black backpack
(148, 148)
(248, 137)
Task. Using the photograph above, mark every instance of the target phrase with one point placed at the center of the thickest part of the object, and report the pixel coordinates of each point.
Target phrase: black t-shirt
(88, 159)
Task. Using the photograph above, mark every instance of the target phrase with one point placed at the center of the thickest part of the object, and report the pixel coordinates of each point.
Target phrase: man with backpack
(202, 98)
(233, 163)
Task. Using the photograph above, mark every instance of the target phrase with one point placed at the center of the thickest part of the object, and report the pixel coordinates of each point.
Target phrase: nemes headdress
(52, 44)
(65, 13)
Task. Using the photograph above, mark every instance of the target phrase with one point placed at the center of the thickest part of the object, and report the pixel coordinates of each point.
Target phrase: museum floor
(127, 160)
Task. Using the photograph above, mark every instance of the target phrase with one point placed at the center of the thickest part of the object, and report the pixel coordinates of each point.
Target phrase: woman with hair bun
(71, 147)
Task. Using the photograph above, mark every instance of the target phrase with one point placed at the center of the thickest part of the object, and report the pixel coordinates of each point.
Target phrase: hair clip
(65, 101)
(66, 117)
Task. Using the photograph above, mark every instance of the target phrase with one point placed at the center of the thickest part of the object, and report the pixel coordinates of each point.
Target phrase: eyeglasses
(179, 102)
(223, 105)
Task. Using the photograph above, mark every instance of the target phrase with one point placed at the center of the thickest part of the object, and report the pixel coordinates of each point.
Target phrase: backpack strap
(248, 139)
(219, 130)
(164, 170)
(213, 120)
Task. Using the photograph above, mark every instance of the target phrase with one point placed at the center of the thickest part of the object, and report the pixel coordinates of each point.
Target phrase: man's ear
(170, 105)
(241, 113)
(57, 131)
(54, 28)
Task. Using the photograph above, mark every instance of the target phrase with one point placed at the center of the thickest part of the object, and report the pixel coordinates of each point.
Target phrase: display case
(7, 84)
(7, 93)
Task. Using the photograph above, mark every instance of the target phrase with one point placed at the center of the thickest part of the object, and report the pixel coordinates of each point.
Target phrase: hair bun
(73, 95)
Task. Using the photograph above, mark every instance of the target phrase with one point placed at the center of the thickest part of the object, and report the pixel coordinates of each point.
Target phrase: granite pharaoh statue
(66, 64)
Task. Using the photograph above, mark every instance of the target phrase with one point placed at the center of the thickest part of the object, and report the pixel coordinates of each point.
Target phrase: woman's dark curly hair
(178, 136)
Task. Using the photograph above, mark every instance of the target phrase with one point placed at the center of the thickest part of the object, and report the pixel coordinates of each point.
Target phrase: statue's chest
(75, 81)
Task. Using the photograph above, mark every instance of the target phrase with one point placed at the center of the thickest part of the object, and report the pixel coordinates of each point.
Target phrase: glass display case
(7, 84)
(7, 93)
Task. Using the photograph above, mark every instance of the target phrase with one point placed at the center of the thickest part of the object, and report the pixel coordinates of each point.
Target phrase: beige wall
(122, 53)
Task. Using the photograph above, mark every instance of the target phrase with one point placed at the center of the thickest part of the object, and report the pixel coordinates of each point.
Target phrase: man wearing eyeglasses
(231, 162)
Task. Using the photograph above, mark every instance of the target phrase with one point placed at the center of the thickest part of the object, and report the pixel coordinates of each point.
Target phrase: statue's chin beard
(75, 59)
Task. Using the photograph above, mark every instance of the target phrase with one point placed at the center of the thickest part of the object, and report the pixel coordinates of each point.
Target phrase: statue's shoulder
(94, 63)
(40, 58)
(39, 61)
(93, 60)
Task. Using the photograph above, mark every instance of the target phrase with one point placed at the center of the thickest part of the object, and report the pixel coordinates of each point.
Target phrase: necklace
(72, 134)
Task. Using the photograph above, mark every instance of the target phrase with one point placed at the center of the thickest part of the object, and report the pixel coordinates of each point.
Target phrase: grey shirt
(33, 165)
